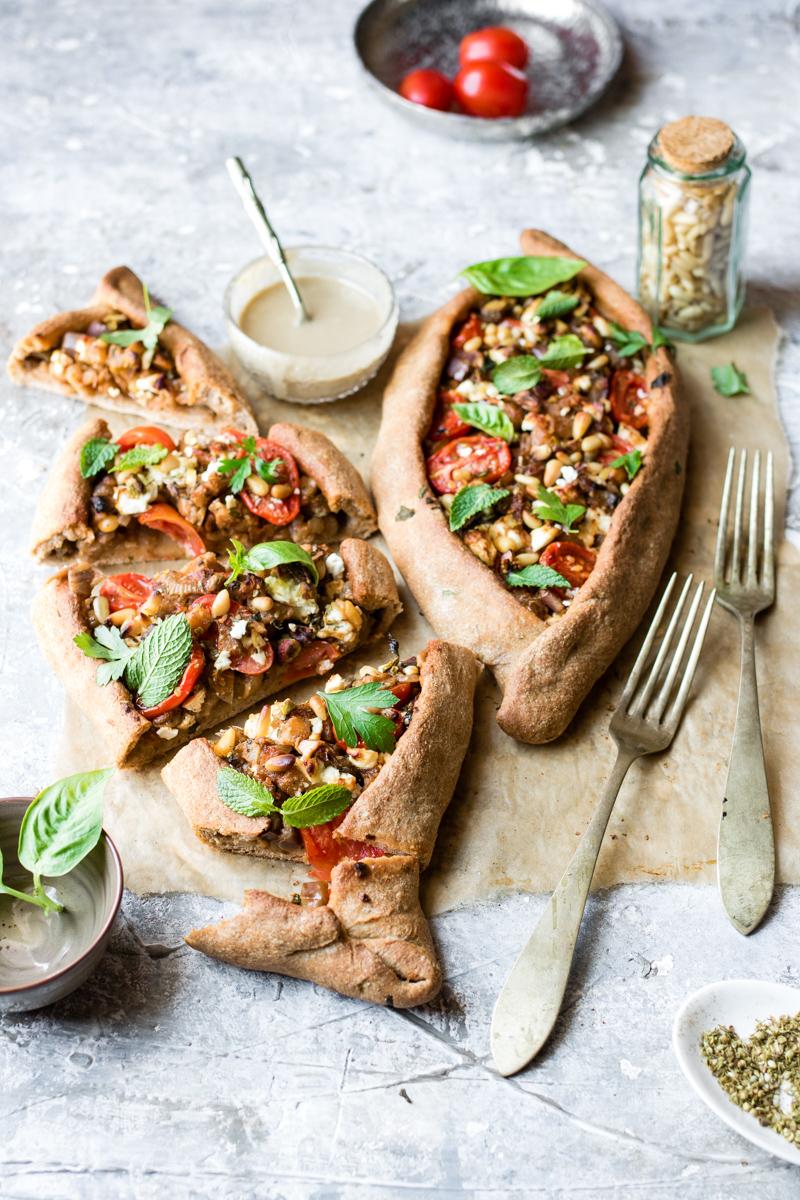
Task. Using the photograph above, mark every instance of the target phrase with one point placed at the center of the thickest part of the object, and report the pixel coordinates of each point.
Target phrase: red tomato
(309, 659)
(403, 691)
(445, 423)
(629, 399)
(168, 520)
(556, 379)
(126, 591)
(324, 851)
(432, 89)
(484, 458)
(618, 447)
(194, 669)
(491, 89)
(571, 559)
(493, 44)
(145, 435)
(270, 508)
(246, 665)
(472, 327)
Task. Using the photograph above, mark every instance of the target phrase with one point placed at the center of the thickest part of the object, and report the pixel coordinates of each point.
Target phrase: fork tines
(746, 561)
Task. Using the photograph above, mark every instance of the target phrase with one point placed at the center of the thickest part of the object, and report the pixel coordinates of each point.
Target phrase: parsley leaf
(537, 575)
(730, 381)
(631, 461)
(96, 455)
(474, 499)
(140, 456)
(316, 806)
(557, 304)
(269, 471)
(157, 318)
(239, 469)
(266, 555)
(489, 418)
(517, 374)
(108, 644)
(549, 507)
(564, 353)
(243, 794)
(353, 715)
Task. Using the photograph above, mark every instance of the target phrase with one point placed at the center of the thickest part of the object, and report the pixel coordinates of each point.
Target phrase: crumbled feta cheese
(330, 775)
(334, 565)
(222, 661)
(316, 726)
(568, 475)
(166, 733)
(239, 628)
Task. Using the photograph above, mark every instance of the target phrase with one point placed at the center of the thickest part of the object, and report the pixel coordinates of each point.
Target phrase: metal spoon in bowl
(269, 238)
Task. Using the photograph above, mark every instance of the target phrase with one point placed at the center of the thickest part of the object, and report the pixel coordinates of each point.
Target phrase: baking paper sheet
(519, 810)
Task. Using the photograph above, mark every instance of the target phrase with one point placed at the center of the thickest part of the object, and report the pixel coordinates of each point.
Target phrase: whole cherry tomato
(491, 89)
(126, 591)
(571, 559)
(194, 669)
(324, 851)
(480, 458)
(168, 520)
(629, 399)
(429, 88)
(145, 435)
(495, 43)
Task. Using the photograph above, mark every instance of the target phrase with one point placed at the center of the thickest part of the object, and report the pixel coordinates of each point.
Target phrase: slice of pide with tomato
(145, 495)
(354, 782)
(125, 353)
(156, 660)
(534, 442)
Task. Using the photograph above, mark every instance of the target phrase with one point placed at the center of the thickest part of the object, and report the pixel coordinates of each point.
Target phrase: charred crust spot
(661, 380)
(403, 513)
(361, 869)
(678, 468)
(365, 898)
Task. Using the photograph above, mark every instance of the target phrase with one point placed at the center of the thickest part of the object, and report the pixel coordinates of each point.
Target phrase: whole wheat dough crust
(371, 941)
(544, 671)
(62, 527)
(129, 737)
(211, 392)
(399, 812)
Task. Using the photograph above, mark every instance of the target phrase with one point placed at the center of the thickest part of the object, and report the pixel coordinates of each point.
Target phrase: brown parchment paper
(519, 810)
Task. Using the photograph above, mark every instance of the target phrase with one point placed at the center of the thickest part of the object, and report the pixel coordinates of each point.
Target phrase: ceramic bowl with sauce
(45, 957)
(354, 313)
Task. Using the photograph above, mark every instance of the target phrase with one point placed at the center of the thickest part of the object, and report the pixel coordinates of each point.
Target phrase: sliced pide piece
(94, 355)
(370, 940)
(156, 660)
(534, 441)
(144, 495)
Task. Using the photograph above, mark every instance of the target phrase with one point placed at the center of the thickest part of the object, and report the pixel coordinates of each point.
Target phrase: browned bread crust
(371, 941)
(336, 477)
(545, 671)
(213, 397)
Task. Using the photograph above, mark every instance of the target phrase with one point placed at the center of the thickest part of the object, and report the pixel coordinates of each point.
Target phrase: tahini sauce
(343, 316)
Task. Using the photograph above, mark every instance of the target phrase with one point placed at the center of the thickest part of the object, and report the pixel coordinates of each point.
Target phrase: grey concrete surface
(168, 1075)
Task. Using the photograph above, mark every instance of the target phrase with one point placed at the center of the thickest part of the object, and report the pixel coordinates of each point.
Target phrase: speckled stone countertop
(167, 1074)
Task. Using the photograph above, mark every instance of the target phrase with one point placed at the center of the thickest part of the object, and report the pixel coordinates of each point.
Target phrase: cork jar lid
(695, 145)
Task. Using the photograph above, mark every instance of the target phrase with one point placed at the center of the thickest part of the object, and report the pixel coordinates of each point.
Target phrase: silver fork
(645, 721)
(744, 576)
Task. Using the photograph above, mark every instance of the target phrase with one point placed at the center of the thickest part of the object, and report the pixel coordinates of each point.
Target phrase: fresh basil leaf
(63, 824)
(316, 806)
(628, 341)
(550, 507)
(661, 339)
(96, 455)
(631, 461)
(517, 374)
(537, 575)
(40, 899)
(270, 471)
(243, 794)
(564, 353)
(489, 418)
(108, 644)
(730, 381)
(471, 500)
(266, 555)
(353, 715)
(526, 275)
(557, 304)
(159, 661)
(239, 470)
(140, 456)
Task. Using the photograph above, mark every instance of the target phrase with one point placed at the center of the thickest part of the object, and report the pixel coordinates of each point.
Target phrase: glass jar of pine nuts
(692, 214)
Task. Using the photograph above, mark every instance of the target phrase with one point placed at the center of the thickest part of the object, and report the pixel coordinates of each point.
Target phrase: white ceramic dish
(740, 1003)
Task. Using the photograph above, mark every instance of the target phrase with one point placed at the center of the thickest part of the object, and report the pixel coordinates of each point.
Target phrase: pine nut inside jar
(692, 213)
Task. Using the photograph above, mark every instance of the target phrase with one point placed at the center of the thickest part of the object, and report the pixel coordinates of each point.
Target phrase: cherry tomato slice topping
(446, 423)
(168, 520)
(571, 559)
(310, 659)
(474, 458)
(491, 89)
(629, 399)
(495, 43)
(271, 508)
(618, 447)
(324, 851)
(403, 691)
(126, 591)
(145, 435)
(472, 327)
(245, 664)
(194, 669)
(429, 88)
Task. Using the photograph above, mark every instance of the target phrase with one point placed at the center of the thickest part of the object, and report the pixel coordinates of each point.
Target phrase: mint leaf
(557, 304)
(516, 374)
(526, 275)
(316, 806)
(159, 661)
(243, 794)
(239, 469)
(631, 461)
(353, 716)
(486, 417)
(537, 575)
(270, 471)
(628, 341)
(730, 381)
(661, 339)
(140, 456)
(266, 555)
(471, 500)
(63, 824)
(96, 455)
(157, 319)
(564, 353)
(549, 507)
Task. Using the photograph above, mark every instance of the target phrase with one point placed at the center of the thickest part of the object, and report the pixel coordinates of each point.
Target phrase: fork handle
(529, 1004)
(746, 847)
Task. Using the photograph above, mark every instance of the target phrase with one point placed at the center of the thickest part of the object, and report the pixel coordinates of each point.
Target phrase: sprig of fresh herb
(525, 275)
(266, 555)
(245, 795)
(557, 304)
(241, 467)
(96, 455)
(486, 417)
(550, 507)
(537, 575)
(140, 456)
(108, 644)
(525, 370)
(631, 461)
(629, 342)
(730, 381)
(564, 353)
(471, 500)
(157, 319)
(356, 713)
(153, 669)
